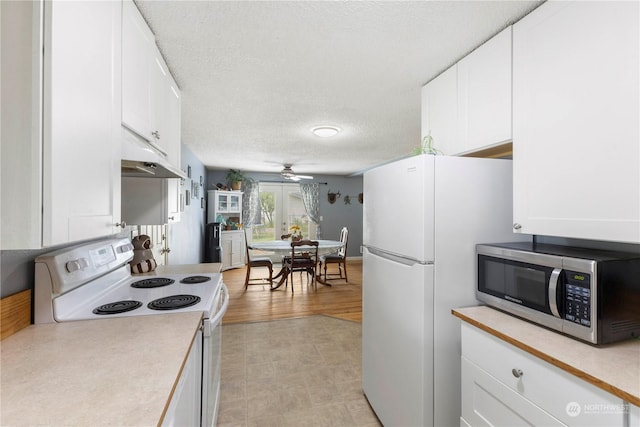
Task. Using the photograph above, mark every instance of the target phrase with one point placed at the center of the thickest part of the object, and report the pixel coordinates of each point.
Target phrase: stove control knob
(78, 264)
(124, 248)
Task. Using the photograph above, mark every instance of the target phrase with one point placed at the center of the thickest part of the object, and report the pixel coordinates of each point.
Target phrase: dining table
(284, 247)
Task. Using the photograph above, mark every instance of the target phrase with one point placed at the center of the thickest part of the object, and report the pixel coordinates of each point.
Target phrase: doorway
(281, 206)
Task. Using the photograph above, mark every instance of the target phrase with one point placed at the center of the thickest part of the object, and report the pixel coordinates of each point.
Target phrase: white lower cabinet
(488, 402)
(233, 252)
(634, 415)
(184, 407)
(505, 386)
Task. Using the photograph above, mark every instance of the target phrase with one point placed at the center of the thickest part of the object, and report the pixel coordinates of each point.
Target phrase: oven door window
(518, 282)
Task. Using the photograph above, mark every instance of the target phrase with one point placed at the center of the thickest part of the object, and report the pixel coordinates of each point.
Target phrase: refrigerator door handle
(401, 259)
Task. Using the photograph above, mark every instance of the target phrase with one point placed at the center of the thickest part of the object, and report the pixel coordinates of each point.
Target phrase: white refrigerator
(423, 216)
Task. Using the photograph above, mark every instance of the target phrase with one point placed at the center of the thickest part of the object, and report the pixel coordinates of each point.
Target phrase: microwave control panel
(577, 298)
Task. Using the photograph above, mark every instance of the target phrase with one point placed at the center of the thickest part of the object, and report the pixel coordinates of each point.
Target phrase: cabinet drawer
(564, 396)
(488, 402)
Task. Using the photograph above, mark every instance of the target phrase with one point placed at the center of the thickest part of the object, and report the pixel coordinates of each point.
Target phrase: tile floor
(293, 372)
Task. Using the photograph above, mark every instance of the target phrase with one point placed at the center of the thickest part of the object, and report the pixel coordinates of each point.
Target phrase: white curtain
(250, 202)
(311, 199)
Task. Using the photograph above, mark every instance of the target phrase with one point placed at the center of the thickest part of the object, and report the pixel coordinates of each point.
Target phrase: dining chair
(339, 258)
(302, 260)
(256, 262)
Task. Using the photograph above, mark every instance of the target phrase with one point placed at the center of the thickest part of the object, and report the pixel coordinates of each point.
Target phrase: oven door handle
(210, 324)
(553, 291)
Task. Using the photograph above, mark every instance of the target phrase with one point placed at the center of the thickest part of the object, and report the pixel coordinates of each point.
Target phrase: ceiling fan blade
(304, 177)
(293, 178)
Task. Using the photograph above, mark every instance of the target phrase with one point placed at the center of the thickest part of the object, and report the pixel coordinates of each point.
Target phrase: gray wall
(334, 216)
(186, 238)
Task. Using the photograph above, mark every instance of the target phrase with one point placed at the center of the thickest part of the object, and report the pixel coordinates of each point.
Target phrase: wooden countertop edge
(558, 363)
(177, 380)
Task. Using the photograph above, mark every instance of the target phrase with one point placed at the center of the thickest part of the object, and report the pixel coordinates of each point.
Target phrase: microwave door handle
(553, 287)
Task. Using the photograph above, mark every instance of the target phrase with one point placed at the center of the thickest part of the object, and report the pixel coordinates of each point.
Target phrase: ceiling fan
(287, 173)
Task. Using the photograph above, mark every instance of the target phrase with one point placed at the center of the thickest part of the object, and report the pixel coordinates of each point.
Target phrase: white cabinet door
(137, 67)
(634, 415)
(484, 94)
(576, 91)
(185, 404)
(81, 153)
(150, 97)
(165, 106)
(21, 147)
(440, 112)
(233, 251)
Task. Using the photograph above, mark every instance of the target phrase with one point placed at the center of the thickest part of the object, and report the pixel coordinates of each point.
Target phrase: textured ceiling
(257, 76)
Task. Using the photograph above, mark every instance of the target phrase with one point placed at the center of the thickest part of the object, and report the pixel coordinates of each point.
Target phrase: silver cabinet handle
(517, 372)
(121, 224)
(171, 218)
(517, 226)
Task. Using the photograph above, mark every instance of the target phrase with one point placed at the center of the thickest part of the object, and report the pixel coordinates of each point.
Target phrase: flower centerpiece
(296, 233)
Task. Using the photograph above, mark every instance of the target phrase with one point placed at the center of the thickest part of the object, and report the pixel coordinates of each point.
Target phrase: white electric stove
(94, 281)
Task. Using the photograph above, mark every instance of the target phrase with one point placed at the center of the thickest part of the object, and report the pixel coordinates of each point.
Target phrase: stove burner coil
(154, 282)
(117, 307)
(173, 302)
(195, 279)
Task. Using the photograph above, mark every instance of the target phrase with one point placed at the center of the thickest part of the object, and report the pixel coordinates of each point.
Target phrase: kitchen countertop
(614, 368)
(96, 372)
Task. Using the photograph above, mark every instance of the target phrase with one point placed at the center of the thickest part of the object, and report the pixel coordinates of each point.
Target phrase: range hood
(138, 169)
(141, 160)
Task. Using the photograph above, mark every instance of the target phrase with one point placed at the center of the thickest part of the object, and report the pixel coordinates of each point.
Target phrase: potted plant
(426, 146)
(235, 178)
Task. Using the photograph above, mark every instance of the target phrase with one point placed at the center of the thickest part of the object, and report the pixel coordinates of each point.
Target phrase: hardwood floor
(258, 303)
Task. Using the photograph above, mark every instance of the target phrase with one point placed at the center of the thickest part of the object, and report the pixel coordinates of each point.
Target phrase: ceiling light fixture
(325, 131)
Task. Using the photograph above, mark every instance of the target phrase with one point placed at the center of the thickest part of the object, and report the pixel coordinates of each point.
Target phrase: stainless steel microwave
(588, 294)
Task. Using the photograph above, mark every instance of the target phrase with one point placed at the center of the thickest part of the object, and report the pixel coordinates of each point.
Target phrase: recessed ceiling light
(325, 131)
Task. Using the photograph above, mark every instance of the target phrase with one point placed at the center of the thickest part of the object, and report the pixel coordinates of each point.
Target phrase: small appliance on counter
(589, 294)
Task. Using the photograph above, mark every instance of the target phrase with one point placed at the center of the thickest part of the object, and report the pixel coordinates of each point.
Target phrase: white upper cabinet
(440, 112)
(468, 107)
(576, 121)
(137, 67)
(150, 96)
(484, 94)
(167, 109)
(64, 152)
